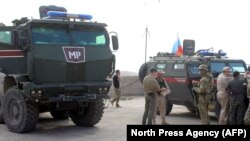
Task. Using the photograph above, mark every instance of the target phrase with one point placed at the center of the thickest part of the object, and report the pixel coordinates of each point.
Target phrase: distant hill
(129, 84)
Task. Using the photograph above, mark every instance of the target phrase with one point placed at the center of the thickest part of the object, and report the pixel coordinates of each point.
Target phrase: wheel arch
(8, 81)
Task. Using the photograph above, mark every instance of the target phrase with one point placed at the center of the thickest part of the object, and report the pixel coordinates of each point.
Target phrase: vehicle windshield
(64, 36)
(216, 67)
(237, 67)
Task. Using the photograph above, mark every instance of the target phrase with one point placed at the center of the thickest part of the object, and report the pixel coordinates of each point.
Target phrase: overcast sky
(222, 24)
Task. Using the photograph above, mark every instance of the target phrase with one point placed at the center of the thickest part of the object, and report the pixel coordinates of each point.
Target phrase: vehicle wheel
(19, 115)
(88, 116)
(169, 107)
(60, 114)
(142, 72)
(191, 108)
(1, 110)
(217, 110)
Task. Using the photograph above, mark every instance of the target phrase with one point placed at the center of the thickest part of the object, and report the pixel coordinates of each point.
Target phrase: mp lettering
(74, 54)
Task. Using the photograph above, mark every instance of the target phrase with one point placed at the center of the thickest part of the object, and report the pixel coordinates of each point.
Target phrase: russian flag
(177, 48)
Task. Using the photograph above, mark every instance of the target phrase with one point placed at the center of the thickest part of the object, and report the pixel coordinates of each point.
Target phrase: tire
(88, 116)
(169, 107)
(142, 72)
(20, 116)
(217, 110)
(1, 109)
(191, 108)
(60, 115)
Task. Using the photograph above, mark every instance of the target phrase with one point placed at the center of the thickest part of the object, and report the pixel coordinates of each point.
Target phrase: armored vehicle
(58, 64)
(181, 71)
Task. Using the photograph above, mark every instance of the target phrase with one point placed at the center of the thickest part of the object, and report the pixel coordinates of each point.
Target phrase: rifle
(196, 97)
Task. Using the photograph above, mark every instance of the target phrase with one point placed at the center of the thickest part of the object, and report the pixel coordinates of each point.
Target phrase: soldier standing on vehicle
(247, 114)
(116, 83)
(205, 86)
(161, 98)
(237, 97)
(151, 87)
(222, 96)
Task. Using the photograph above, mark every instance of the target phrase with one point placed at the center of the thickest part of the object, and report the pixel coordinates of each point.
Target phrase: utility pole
(146, 44)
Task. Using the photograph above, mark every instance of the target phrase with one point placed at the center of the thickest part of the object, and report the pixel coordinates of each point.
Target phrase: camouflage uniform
(247, 114)
(203, 90)
(223, 96)
(151, 87)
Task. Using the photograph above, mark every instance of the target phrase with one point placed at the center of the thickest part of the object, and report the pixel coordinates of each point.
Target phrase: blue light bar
(57, 14)
(222, 53)
(207, 53)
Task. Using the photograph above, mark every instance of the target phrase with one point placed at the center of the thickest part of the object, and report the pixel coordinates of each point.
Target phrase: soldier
(116, 83)
(247, 114)
(205, 86)
(236, 103)
(222, 96)
(151, 87)
(161, 98)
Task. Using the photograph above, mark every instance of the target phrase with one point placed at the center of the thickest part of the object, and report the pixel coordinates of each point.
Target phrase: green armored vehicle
(180, 71)
(59, 63)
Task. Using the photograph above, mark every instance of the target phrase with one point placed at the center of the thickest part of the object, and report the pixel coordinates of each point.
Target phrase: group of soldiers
(231, 94)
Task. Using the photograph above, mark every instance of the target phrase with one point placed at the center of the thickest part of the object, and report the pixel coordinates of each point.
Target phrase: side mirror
(115, 42)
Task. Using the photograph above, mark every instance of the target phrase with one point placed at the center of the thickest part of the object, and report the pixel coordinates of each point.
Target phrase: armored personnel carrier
(58, 64)
(180, 71)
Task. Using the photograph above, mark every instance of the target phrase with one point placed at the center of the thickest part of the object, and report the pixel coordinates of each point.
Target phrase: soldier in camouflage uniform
(204, 87)
(247, 114)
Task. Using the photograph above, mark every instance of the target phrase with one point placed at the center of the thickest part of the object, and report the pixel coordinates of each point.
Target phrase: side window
(5, 37)
(161, 67)
(179, 66)
(193, 69)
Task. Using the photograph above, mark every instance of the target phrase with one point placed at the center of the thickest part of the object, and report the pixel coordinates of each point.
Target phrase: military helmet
(203, 67)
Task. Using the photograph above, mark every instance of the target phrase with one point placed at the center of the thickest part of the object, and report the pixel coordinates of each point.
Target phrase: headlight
(36, 93)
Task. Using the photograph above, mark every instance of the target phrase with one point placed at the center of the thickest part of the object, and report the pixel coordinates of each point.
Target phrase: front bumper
(59, 92)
